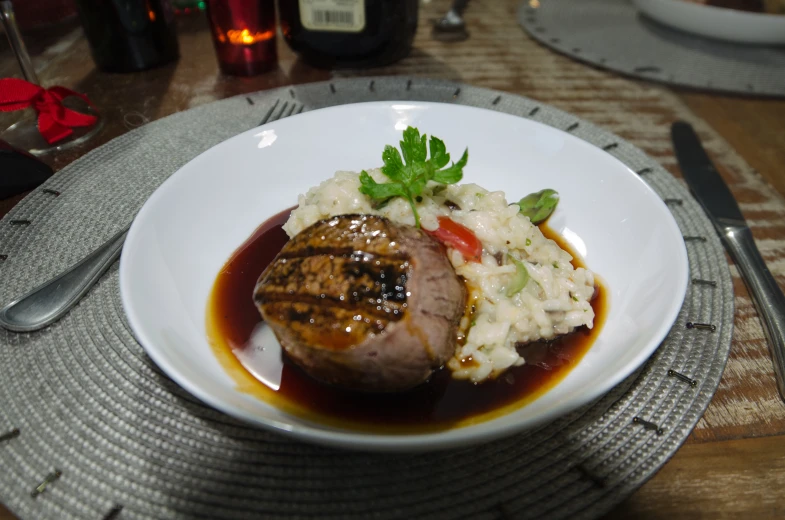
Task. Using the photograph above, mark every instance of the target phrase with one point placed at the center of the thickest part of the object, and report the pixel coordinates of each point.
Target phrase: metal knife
(711, 191)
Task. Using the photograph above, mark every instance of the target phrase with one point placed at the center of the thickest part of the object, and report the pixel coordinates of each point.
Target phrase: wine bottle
(349, 33)
(129, 35)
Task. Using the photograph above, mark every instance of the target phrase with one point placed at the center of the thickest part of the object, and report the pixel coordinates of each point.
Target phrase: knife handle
(766, 294)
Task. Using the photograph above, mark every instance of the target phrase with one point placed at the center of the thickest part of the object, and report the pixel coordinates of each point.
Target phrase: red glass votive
(243, 35)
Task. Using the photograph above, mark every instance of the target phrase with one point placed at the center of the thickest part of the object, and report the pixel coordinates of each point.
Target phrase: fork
(51, 300)
(272, 115)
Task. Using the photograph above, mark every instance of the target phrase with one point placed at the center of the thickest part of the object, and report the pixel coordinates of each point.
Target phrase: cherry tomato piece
(458, 237)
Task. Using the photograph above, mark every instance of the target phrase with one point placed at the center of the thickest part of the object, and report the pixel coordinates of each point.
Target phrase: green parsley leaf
(539, 206)
(414, 146)
(393, 164)
(410, 170)
(454, 173)
(439, 155)
(378, 191)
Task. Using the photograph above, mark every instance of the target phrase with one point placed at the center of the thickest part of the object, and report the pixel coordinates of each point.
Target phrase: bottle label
(333, 15)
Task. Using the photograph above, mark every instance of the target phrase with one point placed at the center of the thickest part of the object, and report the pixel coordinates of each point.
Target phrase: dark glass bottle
(349, 33)
(129, 35)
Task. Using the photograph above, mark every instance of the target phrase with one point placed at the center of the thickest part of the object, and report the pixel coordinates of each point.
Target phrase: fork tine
(291, 111)
(279, 115)
(269, 113)
(274, 113)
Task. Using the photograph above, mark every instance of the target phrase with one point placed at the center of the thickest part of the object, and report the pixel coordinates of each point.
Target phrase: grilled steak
(359, 302)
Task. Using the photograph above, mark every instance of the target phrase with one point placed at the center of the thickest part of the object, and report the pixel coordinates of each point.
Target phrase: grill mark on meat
(331, 251)
(314, 280)
(314, 322)
(362, 303)
(366, 280)
(390, 311)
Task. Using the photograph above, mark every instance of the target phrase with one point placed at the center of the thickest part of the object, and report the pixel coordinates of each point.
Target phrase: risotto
(503, 309)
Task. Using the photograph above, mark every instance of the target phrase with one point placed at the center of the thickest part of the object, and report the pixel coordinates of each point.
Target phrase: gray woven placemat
(89, 404)
(612, 35)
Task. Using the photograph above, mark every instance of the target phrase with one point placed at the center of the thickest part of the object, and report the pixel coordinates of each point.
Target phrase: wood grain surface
(733, 465)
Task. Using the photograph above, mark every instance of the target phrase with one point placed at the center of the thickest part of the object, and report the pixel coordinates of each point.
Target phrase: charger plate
(613, 35)
(85, 411)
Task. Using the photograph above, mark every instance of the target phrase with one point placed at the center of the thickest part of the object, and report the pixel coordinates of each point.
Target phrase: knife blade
(713, 194)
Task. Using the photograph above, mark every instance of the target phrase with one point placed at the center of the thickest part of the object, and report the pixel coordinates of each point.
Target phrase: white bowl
(197, 218)
(717, 22)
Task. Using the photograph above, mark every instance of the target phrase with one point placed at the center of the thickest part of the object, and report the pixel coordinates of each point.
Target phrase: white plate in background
(717, 22)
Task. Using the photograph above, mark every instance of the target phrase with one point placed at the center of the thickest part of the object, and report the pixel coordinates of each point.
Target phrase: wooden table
(733, 464)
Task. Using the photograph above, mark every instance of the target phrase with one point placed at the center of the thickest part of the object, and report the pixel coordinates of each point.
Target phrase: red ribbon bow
(55, 121)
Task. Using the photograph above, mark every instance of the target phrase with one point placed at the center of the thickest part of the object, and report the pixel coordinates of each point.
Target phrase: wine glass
(24, 134)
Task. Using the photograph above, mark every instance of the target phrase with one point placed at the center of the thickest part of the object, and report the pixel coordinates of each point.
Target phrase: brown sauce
(440, 403)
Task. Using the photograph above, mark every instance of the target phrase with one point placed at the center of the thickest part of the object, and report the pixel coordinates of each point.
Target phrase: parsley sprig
(410, 174)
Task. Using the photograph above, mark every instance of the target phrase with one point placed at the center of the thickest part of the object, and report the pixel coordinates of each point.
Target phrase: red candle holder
(243, 35)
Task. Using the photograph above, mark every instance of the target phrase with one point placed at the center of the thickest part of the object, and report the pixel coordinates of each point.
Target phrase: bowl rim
(314, 432)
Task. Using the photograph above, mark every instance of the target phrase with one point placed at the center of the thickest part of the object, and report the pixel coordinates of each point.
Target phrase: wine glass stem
(17, 44)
